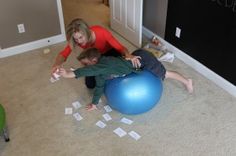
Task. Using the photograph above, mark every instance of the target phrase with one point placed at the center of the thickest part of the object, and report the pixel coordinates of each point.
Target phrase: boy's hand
(62, 72)
(134, 59)
(91, 107)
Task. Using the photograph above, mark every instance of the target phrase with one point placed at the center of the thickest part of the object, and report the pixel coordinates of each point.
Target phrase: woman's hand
(54, 70)
(91, 107)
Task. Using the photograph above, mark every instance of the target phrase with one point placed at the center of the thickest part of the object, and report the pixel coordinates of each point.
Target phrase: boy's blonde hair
(90, 54)
(77, 25)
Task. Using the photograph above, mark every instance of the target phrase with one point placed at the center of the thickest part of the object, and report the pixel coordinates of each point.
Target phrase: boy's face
(88, 62)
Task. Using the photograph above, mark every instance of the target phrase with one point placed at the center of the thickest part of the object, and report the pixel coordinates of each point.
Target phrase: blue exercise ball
(134, 93)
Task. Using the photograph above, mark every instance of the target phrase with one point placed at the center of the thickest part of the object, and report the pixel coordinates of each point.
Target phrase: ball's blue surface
(134, 93)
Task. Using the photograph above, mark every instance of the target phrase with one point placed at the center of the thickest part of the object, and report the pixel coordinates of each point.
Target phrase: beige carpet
(201, 124)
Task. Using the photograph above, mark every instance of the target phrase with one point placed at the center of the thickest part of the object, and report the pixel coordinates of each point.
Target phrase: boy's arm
(100, 83)
(91, 70)
(66, 74)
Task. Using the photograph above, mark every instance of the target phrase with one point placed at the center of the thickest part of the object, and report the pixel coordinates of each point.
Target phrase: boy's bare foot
(189, 86)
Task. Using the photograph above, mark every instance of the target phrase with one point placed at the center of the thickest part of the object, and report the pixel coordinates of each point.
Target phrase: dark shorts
(149, 62)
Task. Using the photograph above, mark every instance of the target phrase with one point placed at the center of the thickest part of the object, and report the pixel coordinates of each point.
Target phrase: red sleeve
(66, 52)
(114, 42)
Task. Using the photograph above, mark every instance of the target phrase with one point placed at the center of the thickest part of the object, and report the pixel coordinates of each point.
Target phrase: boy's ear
(95, 60)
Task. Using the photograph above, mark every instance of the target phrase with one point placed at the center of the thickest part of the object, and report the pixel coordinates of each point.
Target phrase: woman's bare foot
(189, 86)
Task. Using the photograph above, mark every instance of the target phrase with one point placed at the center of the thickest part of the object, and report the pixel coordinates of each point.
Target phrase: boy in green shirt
(108, 67)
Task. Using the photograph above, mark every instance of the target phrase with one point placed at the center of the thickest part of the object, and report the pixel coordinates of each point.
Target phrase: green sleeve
(100, 83)
(92, 70)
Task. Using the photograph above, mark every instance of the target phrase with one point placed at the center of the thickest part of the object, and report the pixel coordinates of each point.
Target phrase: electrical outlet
(21, 28)
(177, 32)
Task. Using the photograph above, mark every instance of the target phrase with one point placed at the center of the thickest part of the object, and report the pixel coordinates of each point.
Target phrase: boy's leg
(176, 76)
(149, 62)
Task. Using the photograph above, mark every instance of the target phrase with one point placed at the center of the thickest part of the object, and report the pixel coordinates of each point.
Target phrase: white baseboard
(218, 80)
(31, 46)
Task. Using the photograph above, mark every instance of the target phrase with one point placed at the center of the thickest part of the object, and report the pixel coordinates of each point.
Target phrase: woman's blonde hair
(77, 25)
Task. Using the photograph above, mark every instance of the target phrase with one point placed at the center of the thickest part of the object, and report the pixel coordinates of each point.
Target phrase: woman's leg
(176, 76)
(90, 82)
(112, 52)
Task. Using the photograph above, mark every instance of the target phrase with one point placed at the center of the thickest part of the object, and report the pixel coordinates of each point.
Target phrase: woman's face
(80, 38)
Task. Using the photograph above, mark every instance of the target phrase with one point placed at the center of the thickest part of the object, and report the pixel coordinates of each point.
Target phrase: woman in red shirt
(80, 34)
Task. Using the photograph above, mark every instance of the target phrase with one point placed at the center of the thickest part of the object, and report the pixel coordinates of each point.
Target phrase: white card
(52, 80)
(78, 116)
(72, 69)
(76, 104)
(101, 124)
(100, 101)
(107, 117)
(107, 108)
(120, 132)
(68, 110)
(134, 135)
(126, 121)
(56, 75)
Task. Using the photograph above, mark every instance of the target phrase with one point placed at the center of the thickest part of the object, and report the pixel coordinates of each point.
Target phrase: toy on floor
(3, 129)
(134, 93)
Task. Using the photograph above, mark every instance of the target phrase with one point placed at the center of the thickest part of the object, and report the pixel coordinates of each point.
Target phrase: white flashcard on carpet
(120, 132)
(76, 104)
(77, 116)
(68, 110)
(107, 117)
(134, 135)
(100, 101)
(107, 108)
(126, 121)
(52, 80)
(101, 124)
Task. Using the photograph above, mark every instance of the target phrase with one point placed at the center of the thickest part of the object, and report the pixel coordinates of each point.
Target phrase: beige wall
(154, 16)
(40, 18)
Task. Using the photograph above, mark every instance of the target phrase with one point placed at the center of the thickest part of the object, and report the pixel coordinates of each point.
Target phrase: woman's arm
(61, 58)
(122, 49)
